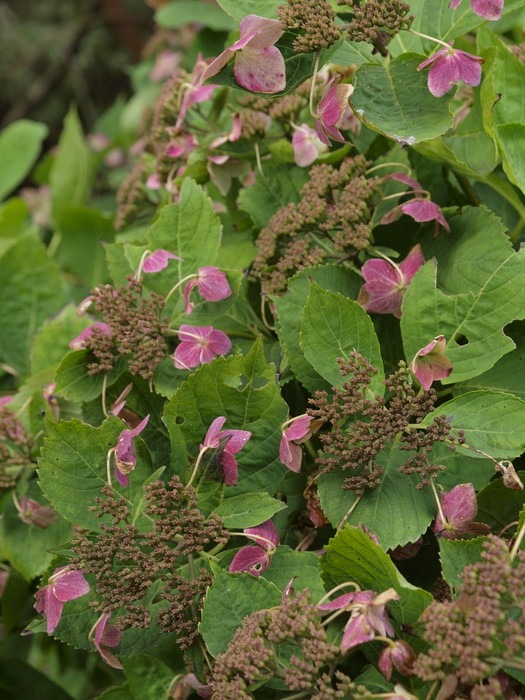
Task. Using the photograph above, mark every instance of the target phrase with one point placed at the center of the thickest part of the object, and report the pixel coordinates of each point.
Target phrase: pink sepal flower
(65, 584)
(255, 560)
(180, 145)
(79, 343)
(212, 285)
(488, 9)
(158, 260)
(332, 110)
(448, 67)
(229, 442)
(423, 210)
(125, 454)
(459, 507)
(290, 452)
(195, 91)
(386, 283)
(106, 636)
(31, 512)
(199, 345)
(367, 616)
(430, 363)
(307, 146)
(398, 655)
(259, 65)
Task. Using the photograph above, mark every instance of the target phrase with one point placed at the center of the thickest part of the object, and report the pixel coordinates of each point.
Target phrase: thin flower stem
(314, 114)
(389, 260)
(339, 587)
(138, 273)
(348, 513)
(263, 313)
(103, 396)
(173, 289)
(431, 691)
(438, 502)
(108, 465)
(396, 195)
(258, 159)
(196, 467)
(393, 164)
(517, 541)
(430, 38)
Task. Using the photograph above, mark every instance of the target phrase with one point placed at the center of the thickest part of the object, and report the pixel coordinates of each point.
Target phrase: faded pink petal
(340, 602)
(357, 631)
(448, 67)
(125, 454)
(430, 363)
(199, 345)
(47, 603)
(459, 507)
(79, 343)
(107, 635)
(307, 146)
(253, 560)
(264, 31)
(332, 110)
(400, 655)
(65, 584)
(385, 285)
(425, 210)
(33, 513)
(405, 179)
(488, 9)
(290, 454)
(158, 260)
(265, 535)
(212, 285)
(236, 439)
(260, 70)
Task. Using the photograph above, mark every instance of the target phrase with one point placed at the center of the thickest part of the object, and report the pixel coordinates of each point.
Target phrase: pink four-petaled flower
(125, 454)
(199, 345)
(65, 584)
(386, 283)
(259, 65)
(430, 363)
(290, 452)
(256, 559)
(229, 442)
(448, 66)
(158, 260)
(488, 9)
(212, 284)
(332, 109)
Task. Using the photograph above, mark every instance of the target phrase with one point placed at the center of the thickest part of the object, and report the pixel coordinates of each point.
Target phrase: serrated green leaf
(177, 14)
(72, 468)
(455, 555)
(20, 145)
(148, 677)
(491, 421)
(498, 505)
(248, 510)
(394, 100)
(51, 342)
(290, 309)
(243, 389)
(395, 511)
(74, 382)
(228, 601)
(334, 326)
(302, 567)
(353, 556)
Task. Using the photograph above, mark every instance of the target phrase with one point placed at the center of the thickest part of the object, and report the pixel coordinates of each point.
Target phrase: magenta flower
(65, 584)
(256, 559)
(31, 512)
(307, 146)
(488, 9)
(199, 345)
(332, 110)
(106, 636)
(195, 91)
(398, 655)
(228, 443)
(448, 67)
(125, 454)
(367, 616)
(459, 508)
(79, 343)
(158, 260)
(212, 285)
(290, 452)
(259, 65)
(420, 207)
(430, 363)
(386, 283)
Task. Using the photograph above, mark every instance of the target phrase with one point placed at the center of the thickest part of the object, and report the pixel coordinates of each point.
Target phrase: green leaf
(395, 511)
(394, 100)
(333, 327)
(20, 145)
(177, 14)
(72, 468)
(491, 422)
(148, 677)
(52, 341)
(240, 8)
(228, 601)
(74, 382)
(498, 506)
(117, 692)
(30, 292)
(244, 391)
(353, 556)
(472, 322)
(71, 172)
(248, 510)
(275, 189)
(20, 680)
(290, 310)
(455, 555)
(302, 567)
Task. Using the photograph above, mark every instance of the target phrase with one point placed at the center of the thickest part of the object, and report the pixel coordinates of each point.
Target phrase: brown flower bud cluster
(313, 22)
(481, 631)
(361, 427)
(127, 561)
(377, 21)
(331, 222)
(137, 329)
(252, 654)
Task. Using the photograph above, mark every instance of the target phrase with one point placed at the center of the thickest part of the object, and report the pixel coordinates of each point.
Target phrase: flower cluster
(377, 21)
(330, 222)
(312, 23)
